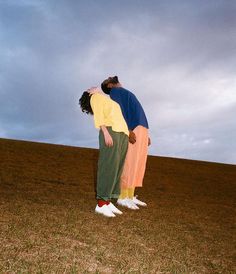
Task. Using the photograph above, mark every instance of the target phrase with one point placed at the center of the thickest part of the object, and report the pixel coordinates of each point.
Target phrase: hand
(108, 139)
(93, 90)
(149, 141)
(107, 136)
(132, 137)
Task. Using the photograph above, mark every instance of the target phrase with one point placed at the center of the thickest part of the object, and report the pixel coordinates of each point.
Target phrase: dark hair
(84, 103)
(113, 80)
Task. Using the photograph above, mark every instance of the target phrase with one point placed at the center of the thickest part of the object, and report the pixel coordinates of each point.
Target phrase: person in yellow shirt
(113, 144)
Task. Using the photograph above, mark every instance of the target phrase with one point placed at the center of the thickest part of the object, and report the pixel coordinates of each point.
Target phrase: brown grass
(48, 225)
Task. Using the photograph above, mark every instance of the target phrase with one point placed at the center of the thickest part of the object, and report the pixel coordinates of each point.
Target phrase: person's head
(84, 103)
(110, 83)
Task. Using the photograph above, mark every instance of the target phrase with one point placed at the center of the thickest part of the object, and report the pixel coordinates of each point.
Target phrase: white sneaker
(114, 209)
(138, 202)
(104, 210)
(132, 204)
(127, 203)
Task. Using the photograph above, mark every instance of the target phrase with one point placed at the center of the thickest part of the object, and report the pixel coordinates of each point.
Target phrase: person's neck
(117, 85)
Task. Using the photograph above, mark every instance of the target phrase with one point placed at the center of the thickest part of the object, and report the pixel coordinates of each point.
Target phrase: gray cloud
(177, 56)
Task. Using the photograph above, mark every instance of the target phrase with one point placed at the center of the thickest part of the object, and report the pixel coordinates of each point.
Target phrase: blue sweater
(131, 108)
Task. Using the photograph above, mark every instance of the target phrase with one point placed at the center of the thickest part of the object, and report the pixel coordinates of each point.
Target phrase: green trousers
(110, 164)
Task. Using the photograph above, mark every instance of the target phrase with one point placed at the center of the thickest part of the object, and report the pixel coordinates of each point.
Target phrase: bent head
(110, 83)
(84, 103)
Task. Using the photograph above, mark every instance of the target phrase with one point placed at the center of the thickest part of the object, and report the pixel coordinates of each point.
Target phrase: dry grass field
(48, 225)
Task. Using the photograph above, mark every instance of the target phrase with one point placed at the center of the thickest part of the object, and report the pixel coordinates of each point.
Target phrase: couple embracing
(123, 145)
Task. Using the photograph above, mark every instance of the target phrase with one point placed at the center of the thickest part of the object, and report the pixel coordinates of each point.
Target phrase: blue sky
(178, 57)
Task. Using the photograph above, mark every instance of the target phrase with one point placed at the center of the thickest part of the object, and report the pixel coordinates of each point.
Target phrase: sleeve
(128, 109)
(97, 104)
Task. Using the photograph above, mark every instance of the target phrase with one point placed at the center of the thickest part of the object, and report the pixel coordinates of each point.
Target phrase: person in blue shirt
(136, 157)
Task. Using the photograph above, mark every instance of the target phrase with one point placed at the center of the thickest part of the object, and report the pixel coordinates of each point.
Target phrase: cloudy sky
(177, 56)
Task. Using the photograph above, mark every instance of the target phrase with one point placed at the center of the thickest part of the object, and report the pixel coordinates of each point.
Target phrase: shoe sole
(104, 214)
(129, 207)
(119, 213)
(140, 205)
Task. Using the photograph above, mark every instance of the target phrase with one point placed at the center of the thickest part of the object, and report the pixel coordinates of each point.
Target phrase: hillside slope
(47, 223)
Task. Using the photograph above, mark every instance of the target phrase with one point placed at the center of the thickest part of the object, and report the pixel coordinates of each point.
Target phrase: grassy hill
(48, 225)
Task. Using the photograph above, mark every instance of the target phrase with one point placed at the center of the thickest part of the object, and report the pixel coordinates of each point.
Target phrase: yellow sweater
(108, 113)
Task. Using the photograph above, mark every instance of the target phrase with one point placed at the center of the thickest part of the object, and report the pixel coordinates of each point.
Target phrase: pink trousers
(135, 161)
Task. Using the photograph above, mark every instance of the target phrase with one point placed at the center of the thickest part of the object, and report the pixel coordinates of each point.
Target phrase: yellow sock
(131, 192)
(123, 193)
